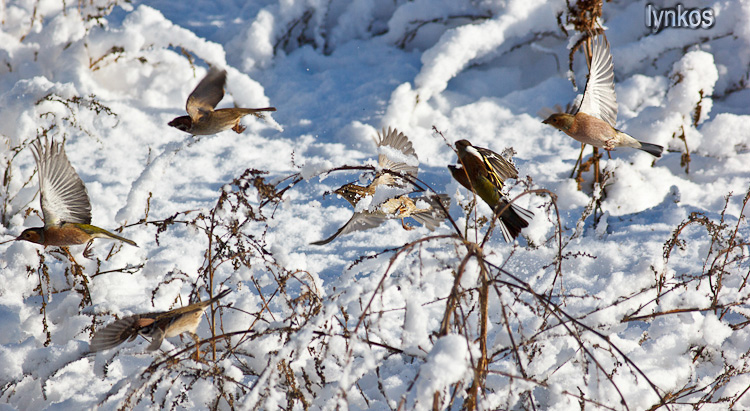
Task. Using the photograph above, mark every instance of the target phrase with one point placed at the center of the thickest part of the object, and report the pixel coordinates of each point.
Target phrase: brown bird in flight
(66, 208)
(202, 119)
(594, 122)
(157, 326)
(398, 155)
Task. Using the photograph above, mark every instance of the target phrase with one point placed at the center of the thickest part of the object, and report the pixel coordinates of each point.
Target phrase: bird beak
(545, 121)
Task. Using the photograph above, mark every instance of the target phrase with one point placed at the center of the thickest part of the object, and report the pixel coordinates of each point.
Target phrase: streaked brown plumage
(156, 326)
(202, 119)
(66, 208)
(596, 117)
(402, 159)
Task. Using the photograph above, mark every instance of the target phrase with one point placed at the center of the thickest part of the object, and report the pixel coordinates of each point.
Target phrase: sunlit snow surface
(628, 316)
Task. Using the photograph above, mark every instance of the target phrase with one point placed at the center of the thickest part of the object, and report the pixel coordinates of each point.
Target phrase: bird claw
(88, 251)
(239, 128)
(197, 354)
(406, 225)
(609, 145)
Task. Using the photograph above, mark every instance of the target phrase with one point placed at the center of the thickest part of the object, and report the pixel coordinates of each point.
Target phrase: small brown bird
(594, 122)
(202, 119)
(157, 326)
(66, 208)
(484, 172)
(402, 159)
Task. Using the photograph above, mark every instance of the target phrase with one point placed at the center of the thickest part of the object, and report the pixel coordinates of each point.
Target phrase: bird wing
(432, 216)
(207, 94)
(358, 222)
(498, 168)
(599, 98)
(157, 337)
(114, 334)
(63, 195)
(401, 158)
(459, 173)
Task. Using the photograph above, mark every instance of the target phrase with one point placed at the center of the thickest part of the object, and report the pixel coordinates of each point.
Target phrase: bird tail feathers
(247, 111)
(513, 219)
(653, 149)
(106, 234)
(219, 296)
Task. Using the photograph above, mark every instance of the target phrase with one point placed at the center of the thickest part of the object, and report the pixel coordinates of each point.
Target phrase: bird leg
(88, 251)
(597, 171)
(406, 225)
(609, 145)
(197, 354)
(239, 128)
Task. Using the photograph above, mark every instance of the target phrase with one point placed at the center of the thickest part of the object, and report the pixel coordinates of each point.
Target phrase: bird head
(461, 146)
(183, 123)
(351, 193)
(33, 235)
(560, 121)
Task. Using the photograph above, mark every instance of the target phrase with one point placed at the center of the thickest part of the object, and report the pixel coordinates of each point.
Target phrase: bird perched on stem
(202, 119)
(594, 122)
(66, 208)
(484, 172)
(157, 326)
(396, 156)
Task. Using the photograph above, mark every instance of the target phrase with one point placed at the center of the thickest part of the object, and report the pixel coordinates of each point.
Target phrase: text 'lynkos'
(679, 16)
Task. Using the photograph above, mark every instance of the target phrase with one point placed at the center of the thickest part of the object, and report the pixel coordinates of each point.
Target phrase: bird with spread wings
(398, 165)
(595, 120)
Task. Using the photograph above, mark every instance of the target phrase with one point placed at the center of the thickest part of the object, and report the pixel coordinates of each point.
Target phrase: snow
(644, 282)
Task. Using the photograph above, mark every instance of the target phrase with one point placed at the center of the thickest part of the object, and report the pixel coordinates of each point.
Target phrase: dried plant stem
(480, 368)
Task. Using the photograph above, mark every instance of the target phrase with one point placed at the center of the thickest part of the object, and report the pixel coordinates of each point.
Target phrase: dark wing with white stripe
(499, 169)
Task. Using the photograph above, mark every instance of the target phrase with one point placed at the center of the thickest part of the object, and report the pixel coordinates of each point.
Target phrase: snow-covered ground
(639, 302)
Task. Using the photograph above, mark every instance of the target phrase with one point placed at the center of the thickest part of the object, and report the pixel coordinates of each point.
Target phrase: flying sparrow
(397, 155)
(202, 119)
(484, 173)
(157, 326)
(594, 121)
(66, 208)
